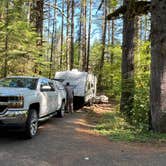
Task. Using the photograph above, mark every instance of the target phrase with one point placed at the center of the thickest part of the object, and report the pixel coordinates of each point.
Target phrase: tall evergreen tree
(127, 94)
(104, 30)
(89, 34)
(62, 34)
(158, 69)
(83, 34)
(72, 36)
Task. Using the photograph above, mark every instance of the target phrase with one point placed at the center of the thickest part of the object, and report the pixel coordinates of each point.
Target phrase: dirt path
(69, 142)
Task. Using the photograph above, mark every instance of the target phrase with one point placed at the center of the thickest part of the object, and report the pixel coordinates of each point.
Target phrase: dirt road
(69, 142)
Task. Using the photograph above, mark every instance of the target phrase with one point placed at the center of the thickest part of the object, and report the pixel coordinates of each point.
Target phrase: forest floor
(109, 122)
(73, 141)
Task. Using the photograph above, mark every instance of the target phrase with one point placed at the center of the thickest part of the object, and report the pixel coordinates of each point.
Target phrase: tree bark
(109, 33)
(48, 30)
(68, 36)
(89, 35)
(158, 66)
(37, 15)
(127, 94)
(39, 20)
(145, 28)
(52, 42)
(62, 31)
(137, 40)
(6, 41)
(112, 38)
(112, 45)
(83, 36)
(72, 36)
(79, 37)
(103, 45)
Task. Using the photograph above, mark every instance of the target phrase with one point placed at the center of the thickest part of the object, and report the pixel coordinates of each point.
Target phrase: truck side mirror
(45, 88)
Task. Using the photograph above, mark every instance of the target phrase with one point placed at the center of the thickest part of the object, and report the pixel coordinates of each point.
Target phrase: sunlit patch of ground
(84, 127)
(96, 111)
(102, 108)
(83, 122)
(109, 122)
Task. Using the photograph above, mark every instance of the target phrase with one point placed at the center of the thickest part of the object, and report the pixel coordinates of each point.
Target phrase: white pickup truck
(24, 101)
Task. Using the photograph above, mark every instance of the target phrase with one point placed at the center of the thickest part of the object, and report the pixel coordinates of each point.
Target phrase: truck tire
(31, 124)
(61, 112)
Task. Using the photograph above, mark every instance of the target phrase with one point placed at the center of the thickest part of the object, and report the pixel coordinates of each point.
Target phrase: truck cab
(24, 101)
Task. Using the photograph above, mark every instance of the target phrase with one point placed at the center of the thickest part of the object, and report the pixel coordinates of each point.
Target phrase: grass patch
(113, 125)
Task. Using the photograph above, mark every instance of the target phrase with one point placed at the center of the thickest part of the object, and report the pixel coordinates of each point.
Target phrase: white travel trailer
(83, 84)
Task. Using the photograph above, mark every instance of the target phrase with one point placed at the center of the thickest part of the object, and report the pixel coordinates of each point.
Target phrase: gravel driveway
(69, 142)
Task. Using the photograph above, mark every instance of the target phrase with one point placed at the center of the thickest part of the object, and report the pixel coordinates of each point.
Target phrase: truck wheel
(32, 124)
(61, 112)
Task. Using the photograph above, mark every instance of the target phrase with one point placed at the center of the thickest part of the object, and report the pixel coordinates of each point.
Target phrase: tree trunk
(109, 33)
(68, 36)
(72, 36)
(36, 18)
(83, 36)
(145, 28)
(127, 94)
(6, 41)
(137, 40)
(158, 66)
(112, 40)
(39, 20)
(80, 37)
(53, 37)
(89, 36)
(62, 30)
(48, 31)
(112, 45)
(103, 46)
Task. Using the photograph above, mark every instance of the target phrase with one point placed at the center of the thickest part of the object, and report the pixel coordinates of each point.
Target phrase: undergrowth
(113, 125)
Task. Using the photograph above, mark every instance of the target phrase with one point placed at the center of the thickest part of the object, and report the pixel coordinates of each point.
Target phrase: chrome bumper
(14, 117)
